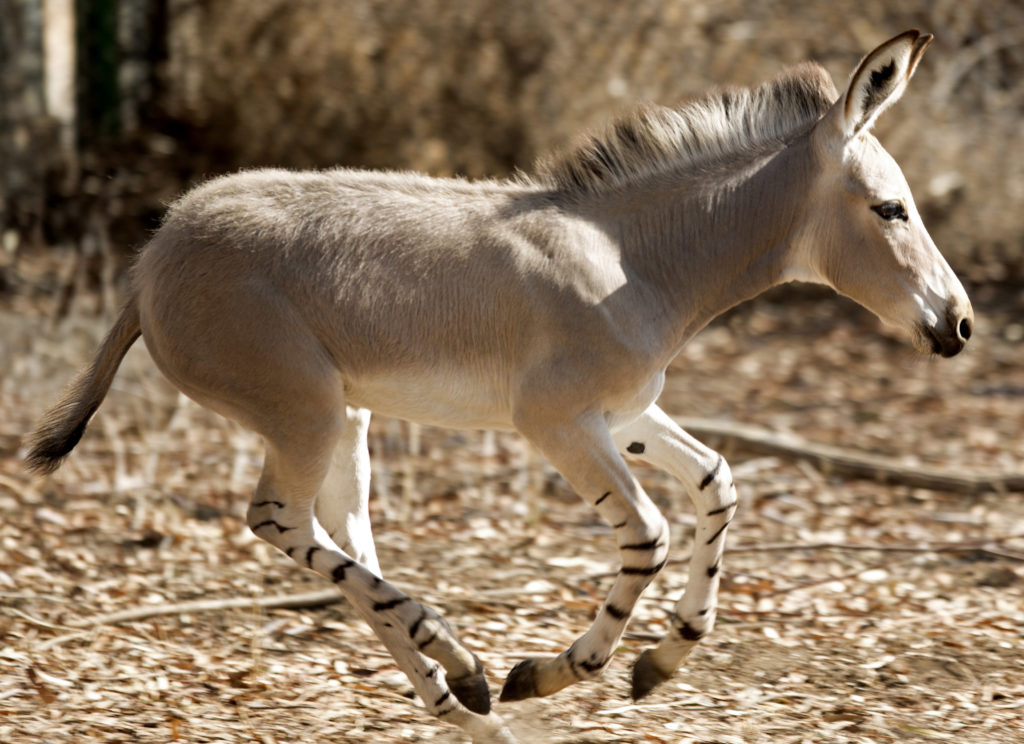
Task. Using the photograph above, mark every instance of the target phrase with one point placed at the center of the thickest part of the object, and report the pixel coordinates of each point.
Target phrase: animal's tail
(63, 425)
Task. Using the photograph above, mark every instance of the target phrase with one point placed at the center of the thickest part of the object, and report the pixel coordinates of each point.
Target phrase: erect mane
(700, 133)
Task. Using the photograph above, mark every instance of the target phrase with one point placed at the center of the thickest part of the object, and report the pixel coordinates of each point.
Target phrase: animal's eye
(892, 210)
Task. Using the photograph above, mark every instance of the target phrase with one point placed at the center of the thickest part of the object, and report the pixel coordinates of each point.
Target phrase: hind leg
(342, 503)
(447, 676)
(303, 459)
(293, 397)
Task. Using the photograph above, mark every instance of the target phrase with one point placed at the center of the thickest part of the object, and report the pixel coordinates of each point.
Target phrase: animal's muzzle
(950, 341)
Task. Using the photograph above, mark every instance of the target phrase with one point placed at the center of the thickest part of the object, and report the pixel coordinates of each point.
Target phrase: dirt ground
(850, 611)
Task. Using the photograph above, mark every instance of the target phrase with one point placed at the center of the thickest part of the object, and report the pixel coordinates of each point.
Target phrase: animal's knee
(648, 538)
(718, 477)
(266, 520)
(717, 490)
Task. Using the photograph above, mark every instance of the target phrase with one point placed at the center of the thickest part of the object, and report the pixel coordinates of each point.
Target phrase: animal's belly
(451, 399)
(462, 400)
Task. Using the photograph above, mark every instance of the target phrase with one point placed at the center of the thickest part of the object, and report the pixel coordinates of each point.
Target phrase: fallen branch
(287, 601)
(987, 545)
(992, 546)
(842, 461)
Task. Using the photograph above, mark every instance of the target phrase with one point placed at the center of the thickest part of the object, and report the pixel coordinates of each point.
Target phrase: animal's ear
(879, 81)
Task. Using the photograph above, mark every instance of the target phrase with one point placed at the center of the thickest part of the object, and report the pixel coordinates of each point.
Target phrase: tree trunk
(24, 132)
(96, 62)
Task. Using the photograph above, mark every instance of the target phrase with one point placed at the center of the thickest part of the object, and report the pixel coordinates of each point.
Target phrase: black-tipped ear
(880, 80)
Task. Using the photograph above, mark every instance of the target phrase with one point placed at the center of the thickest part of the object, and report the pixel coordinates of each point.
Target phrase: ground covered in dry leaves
(850, 611)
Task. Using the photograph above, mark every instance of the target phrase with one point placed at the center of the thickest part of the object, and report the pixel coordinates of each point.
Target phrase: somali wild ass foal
(296, 303)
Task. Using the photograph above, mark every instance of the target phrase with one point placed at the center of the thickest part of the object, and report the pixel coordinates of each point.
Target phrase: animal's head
(865, 236)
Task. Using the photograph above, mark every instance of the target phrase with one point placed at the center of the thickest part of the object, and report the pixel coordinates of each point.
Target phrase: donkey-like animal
(296, 303)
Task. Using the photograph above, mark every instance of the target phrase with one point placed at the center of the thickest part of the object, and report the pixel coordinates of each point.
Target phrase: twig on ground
(286, 601)
(988, 546)
(841, 461)
(37, 622)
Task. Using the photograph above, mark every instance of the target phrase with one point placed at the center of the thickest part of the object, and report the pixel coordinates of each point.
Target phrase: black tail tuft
(56, 436)
(63, 425)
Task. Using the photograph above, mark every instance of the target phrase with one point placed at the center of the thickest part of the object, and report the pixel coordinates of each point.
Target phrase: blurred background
(851, 610)
(109, 108)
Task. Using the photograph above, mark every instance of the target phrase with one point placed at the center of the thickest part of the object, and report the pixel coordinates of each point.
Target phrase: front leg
(656, 438)
(585, 454)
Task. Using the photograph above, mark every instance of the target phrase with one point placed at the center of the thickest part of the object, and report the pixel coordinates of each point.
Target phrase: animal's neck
(700, 252)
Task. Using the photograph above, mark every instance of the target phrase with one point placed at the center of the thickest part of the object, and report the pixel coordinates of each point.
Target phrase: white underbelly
(460, 400)
(450, 399)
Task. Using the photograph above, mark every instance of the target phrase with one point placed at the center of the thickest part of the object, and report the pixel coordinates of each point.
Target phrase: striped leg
(587, 458)
(657, 439)
(282, 513)
(440, 695)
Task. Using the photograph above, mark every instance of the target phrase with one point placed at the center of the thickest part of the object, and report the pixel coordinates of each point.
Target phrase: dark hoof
(646, 675)
(520, 683)
(472, 690)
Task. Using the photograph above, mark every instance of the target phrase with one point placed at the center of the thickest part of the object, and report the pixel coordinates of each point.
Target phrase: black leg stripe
(309, 555)
(620, 525)
(642, 570)
(271, 523)
(636, 448)
(723, 510)
(291, 551)
(605, 495)
(592, 666)
(650, 545)
(278, 504)
(389, 605)
(720, 531)
(415, 627)
(338, 574)
(423, 644)
(447, 694)
(712, 570)
(689, 633)
(616, 612)
(711, 476)
(446, 711)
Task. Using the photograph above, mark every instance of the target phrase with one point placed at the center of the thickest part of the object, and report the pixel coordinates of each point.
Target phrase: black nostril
(964, 328)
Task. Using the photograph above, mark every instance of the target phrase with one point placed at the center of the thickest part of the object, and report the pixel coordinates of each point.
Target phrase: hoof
(520, 683)
(472, 690)
(646, 675)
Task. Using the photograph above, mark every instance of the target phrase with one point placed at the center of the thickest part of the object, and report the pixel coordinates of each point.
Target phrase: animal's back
(396, 279)
(334, 243)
